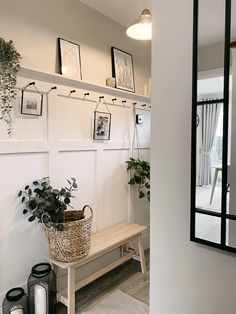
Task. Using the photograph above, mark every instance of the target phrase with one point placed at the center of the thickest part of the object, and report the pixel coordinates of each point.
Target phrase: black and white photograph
(69, 58)
(102, 125)
(122, 68)
(31, 103)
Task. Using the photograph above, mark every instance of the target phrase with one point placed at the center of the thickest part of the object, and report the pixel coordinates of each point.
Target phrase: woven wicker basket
(73, 242)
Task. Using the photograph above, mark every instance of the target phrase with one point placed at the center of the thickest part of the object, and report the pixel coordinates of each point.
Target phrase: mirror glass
(209, 156)
(211, 32)
(208, 227)
(231, 233)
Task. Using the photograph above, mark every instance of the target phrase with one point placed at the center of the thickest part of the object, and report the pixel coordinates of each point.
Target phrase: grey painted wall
(186, 278)
(35, 25)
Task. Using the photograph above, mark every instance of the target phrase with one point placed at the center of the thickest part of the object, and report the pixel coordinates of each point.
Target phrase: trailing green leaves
(47, 204)
(9, 67)
(140, 175)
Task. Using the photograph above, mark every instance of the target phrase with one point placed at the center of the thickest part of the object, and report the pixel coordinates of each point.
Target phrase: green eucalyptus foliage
(140, 175)
(9, 67)
(47, 204)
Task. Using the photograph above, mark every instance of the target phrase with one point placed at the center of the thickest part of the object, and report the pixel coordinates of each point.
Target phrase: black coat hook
(114, 99)
(101, 97)
(123, 101)
(134, 104)
(29, 84)
(144, 105)
(51, 89)
(72, 91)
(86, 94)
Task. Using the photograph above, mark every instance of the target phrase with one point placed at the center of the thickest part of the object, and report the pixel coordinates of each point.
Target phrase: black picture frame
(31, 103)
(69, 59)
(123, 69)
(102, 126)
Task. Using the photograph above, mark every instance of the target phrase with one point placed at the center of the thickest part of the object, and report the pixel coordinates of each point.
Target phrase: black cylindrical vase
(42, 291)
(15, 302)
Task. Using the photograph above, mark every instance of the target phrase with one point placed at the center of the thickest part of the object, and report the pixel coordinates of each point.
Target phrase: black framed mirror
(213, 177)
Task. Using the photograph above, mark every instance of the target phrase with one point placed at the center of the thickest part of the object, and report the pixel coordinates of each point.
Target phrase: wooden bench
(101, 243)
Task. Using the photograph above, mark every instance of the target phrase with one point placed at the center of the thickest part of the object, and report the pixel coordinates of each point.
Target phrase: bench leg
(71, 290)
(141, 254)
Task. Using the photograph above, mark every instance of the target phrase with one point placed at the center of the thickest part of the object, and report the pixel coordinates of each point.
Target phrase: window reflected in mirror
(209, 156)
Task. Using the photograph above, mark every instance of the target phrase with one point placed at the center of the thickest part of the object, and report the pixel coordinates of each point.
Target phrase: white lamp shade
(141, 29)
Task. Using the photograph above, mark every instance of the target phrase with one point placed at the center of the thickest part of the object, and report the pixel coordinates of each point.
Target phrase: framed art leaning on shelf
(122, 69)
(69, 58)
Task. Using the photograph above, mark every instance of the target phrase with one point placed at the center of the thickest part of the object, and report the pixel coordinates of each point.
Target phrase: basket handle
(85, 206)
(49, 223)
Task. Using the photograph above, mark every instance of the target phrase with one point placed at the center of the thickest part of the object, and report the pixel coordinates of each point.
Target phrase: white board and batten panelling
(59, 144)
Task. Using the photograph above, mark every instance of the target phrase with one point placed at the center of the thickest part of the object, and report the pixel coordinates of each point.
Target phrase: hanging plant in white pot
(9, 67)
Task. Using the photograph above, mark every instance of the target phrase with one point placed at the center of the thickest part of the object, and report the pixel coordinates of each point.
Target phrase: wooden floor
(127, 277)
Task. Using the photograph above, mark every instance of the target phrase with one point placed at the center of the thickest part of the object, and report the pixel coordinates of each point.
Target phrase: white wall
(34, 26)
(186, 278)
(59, 144)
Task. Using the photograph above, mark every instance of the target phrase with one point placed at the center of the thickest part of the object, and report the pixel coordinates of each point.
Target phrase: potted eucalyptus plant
(140, 176)
(68, 231)
(9, 67)
(47, 204)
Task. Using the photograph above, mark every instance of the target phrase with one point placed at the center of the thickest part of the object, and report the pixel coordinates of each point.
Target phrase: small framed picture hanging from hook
(102, 125)
(31, 103)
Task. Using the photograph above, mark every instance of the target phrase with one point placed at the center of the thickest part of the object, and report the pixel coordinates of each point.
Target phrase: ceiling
(122, 11)
(211, 15)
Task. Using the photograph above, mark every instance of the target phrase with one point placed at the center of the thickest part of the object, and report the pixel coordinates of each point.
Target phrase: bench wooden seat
(101, 243)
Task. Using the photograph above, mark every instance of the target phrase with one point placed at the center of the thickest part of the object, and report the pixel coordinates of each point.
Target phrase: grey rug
(118, 302)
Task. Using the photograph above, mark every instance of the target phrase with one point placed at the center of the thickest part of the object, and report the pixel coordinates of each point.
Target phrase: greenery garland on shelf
(140, 175)
(9, 67)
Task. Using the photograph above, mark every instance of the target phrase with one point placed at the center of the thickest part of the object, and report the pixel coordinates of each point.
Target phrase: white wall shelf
(62, 80)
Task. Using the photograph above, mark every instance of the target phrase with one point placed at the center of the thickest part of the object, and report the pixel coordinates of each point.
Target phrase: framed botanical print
(122, 69)
(102, 125)
(69, 58)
